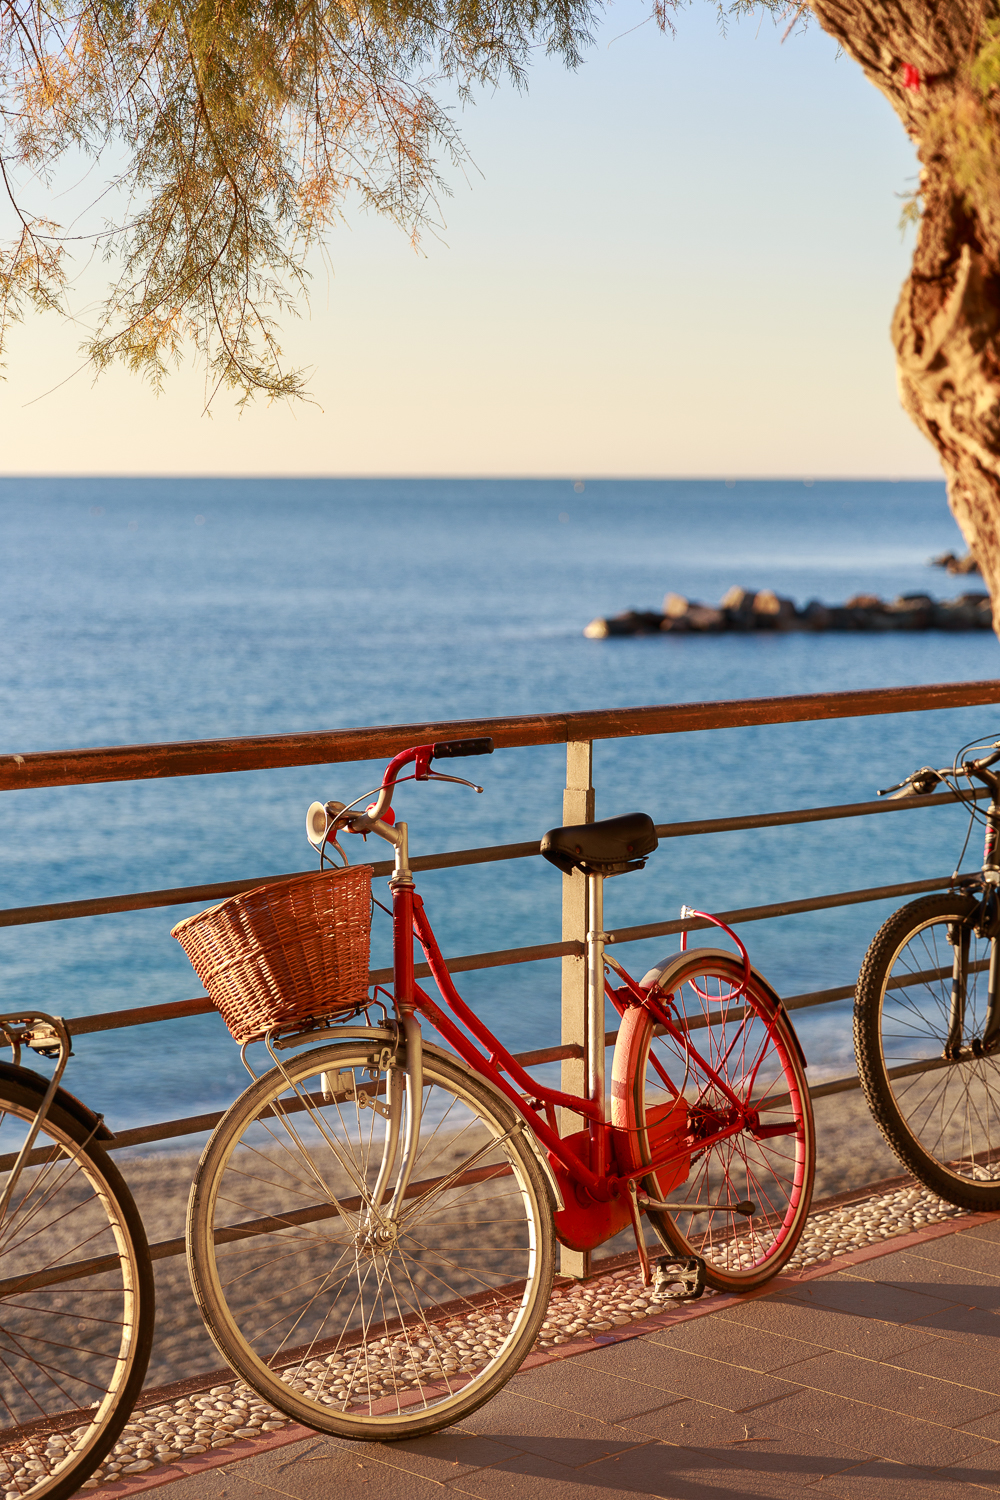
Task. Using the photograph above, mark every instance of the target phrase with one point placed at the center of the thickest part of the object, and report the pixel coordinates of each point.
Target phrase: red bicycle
(372, 1227)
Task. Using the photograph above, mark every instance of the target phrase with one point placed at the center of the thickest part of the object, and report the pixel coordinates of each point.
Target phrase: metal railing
(578, 732)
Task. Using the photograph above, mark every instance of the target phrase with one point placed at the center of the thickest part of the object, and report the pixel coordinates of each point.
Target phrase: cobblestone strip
(199, 1424)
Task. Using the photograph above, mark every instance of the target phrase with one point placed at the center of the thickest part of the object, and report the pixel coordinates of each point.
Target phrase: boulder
(630, 622)
(772, 612)
(868, 612)
(738, 599)
(737, 605)
(953, 564)
(967, 612)
(912, 611)
(704, 617)
(817, 616)
(680, 614)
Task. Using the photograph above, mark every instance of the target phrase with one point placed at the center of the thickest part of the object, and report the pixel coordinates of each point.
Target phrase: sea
(149, 610)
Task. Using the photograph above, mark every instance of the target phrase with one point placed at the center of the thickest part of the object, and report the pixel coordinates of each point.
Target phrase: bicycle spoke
(351, 1309)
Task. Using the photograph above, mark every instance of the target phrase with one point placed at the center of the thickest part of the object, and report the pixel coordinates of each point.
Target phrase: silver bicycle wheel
(76, 1301)
(346, 1321)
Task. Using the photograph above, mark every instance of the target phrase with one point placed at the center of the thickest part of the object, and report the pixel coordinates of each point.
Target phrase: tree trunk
(927, 59)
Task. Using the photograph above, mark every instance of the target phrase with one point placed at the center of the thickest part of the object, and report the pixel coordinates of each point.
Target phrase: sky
(680, 260)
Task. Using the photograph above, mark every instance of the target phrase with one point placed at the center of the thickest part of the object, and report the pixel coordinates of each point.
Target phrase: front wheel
(76, 1299)
(934, 1099)
(348, 1319)
(733, 1060)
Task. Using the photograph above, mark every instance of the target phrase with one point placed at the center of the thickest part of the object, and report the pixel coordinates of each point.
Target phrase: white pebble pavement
(611, 1302)
(192, 1425)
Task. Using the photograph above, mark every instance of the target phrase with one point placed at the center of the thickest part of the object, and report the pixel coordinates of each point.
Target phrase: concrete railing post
(578, 807)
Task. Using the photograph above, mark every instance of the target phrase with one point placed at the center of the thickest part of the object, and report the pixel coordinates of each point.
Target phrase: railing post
(578, 807)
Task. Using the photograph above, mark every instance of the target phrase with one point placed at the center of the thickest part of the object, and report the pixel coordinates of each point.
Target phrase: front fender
(69, 1103)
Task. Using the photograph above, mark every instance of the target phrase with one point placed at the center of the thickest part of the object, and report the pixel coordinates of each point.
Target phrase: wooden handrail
(95, 906)
(47, 768)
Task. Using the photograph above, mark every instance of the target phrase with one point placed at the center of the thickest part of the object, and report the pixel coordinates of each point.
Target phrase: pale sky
(680, 260)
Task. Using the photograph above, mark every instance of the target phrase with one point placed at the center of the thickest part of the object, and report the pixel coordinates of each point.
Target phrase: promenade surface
(875, 1375)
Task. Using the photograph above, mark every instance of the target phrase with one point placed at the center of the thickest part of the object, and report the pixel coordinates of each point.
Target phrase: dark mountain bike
(927, 1013)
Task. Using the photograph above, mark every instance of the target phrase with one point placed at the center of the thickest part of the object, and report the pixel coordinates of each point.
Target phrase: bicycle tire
(361, 1340)
(941, 1118)
(73, 1346)
(751, 1045)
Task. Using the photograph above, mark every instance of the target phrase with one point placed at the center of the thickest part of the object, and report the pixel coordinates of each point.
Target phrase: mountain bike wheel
(346, 1322)
(941, 1117)
(660, 1088)
(76, 1300)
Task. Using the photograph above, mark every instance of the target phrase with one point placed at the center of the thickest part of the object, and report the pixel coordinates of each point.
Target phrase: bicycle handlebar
(421, 756)
(921, 783)
(318, 825)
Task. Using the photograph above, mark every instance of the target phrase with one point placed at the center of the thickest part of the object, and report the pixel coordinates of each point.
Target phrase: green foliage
(243, 128)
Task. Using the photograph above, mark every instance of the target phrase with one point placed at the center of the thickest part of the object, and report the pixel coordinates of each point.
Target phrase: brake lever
(920, 784)
(459, 780)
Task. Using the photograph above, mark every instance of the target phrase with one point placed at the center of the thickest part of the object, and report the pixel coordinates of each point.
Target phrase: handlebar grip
(450, 749)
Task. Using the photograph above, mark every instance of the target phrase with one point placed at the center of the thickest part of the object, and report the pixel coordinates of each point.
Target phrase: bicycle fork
(960, 936)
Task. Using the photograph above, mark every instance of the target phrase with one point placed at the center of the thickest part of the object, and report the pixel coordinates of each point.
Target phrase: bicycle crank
(747, 1207)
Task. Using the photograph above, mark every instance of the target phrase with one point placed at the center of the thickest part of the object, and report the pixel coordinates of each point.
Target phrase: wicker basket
(285, 953)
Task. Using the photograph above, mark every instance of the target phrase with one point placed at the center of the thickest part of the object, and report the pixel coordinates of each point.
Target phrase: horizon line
(569, 477)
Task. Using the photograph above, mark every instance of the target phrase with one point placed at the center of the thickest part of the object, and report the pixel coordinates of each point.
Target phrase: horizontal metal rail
(47, 768)
(96, 1265)
(78, 767)
(268, 1224)
(184, 895)
(177, 1010)
(145, 1015)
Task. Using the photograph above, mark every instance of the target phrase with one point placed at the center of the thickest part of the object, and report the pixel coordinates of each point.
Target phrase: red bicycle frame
(535, 1100)
(601, 1198)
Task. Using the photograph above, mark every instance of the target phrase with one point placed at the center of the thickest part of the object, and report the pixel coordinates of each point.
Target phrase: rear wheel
(750, 1126)
(76, 1301)
(348, 1321)
(939, 1113)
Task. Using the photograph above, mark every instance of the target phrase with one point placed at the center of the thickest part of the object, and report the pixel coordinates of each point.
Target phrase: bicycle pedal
(678, 1280)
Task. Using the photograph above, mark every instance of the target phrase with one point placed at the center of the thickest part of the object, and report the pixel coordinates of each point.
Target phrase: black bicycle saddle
(609, 847)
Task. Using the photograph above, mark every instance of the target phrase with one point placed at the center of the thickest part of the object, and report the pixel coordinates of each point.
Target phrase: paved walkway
(879, 1379)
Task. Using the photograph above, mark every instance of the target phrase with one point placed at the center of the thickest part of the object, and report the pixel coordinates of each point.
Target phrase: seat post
(595, 1018)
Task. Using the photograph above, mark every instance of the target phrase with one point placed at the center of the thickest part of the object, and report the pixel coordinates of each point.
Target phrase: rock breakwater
(952, 564)
(762, 609)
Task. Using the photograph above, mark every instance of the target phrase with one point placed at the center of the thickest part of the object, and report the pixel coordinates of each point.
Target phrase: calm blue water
(145, 610)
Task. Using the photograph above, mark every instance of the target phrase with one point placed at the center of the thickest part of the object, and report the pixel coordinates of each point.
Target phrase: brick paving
(879, 1377)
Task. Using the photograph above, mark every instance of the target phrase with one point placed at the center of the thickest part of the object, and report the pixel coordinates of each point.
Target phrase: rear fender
(666, 972)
